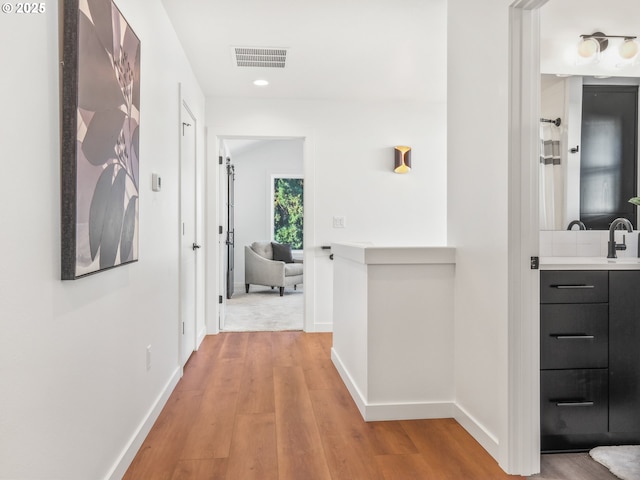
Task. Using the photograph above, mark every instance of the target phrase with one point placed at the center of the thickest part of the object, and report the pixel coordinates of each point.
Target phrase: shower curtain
(551, 179)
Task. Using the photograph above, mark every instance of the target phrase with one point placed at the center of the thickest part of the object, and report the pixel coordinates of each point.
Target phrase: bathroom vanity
(589, 352)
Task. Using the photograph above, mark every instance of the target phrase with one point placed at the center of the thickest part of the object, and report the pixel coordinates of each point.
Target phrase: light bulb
(588, 47)
(628, 49)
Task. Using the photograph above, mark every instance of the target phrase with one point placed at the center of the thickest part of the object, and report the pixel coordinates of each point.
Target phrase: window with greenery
(288, 211)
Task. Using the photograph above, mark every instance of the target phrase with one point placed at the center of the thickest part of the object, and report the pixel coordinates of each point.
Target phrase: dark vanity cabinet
(589, 358)
(624, 352)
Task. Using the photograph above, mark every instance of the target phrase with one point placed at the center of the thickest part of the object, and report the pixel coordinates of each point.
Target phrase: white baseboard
(348, 381)
(372, 412)
(488, 441)
(323, 327)
(408, 411)
(126, 457)
(200, 338)
(413, 411)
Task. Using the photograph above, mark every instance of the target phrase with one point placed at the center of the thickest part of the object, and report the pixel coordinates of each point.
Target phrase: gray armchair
(261, 269)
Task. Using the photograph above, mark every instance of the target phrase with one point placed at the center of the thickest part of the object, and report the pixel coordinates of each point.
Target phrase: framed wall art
(100, 139)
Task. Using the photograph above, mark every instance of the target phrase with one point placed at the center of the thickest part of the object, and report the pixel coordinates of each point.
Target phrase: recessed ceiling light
(261, 83)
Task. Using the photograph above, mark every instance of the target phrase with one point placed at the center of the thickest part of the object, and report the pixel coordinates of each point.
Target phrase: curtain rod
(556, 122)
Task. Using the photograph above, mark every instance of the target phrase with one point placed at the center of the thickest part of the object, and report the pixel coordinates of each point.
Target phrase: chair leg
(281, 291)
(295, 287)
(246, 287)
(272, 287)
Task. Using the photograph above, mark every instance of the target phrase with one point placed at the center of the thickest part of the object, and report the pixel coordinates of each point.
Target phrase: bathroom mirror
(589, 162)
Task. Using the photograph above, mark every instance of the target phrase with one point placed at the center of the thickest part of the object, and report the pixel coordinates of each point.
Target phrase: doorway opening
(250, 200)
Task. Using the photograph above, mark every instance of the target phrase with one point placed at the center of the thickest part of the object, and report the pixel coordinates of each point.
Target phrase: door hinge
(219, 160)
(535, 263)
(219, 298)
(183, 328)
(220, 229)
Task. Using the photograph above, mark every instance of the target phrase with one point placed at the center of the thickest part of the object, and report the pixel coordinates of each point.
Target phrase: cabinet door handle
(574, 337)
(572, 286)
(574, 404)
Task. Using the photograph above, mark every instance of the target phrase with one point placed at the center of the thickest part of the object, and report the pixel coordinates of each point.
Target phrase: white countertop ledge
(370, 254)
(589, 263)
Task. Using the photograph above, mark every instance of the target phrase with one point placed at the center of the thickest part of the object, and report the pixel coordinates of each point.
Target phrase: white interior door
(222, 244)
(188, 229)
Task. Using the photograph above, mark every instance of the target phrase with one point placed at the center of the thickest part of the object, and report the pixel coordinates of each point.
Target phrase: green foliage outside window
(288, 211)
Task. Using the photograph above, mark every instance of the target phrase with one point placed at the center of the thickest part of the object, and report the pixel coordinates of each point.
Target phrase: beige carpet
(263, 309)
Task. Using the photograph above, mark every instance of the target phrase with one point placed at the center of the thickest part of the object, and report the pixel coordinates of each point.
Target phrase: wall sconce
(591, 46)
(402, 159)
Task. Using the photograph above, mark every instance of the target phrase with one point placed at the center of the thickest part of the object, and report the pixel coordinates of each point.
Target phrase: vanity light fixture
(591, 46)
(402, 159)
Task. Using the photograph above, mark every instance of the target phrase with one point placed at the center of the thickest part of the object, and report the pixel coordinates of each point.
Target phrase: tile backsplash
(585, 243)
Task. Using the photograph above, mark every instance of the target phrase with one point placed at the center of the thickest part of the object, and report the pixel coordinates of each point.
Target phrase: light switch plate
(156, 182)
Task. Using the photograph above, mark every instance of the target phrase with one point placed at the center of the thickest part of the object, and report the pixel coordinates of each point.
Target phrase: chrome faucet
(613, 246)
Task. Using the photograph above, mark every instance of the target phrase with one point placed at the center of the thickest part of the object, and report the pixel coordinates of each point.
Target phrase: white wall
(553, 98)
(478, 222)
(72, 354)
(563, 98)
(477, 185)
(254, 168)
(348, 170)
(563, 21)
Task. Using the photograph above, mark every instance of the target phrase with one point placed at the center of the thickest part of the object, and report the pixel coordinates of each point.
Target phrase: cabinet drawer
(574, 336)
(574, 401)
(574, 286)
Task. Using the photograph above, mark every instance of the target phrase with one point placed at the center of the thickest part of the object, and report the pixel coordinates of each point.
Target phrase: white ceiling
(364, 49)
(357, 49)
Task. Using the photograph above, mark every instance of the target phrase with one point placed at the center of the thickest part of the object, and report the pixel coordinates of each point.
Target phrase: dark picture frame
(100, 139)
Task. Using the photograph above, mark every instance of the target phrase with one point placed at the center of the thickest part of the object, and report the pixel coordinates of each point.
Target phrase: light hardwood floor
(571, 466)
(270, 405)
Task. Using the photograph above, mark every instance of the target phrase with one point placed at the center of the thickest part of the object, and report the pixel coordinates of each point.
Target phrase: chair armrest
(262, 271)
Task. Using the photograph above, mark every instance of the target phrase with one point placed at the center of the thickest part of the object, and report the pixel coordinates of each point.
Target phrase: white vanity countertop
(589, 263)
(394, 255)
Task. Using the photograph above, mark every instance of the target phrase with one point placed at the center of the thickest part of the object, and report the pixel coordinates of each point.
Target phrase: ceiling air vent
(259, 57)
